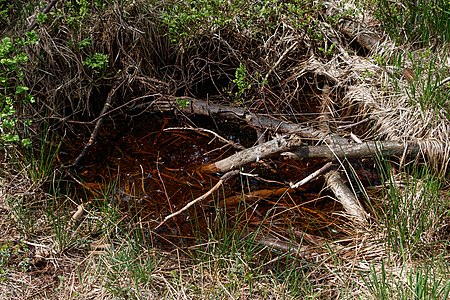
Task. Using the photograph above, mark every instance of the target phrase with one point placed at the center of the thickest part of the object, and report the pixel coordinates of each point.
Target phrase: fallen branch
(200, 107)
(294, 146)
(255, 153)
(366, 149)
(312, 175)
(345, 196)
(224, 178)
(98, 124)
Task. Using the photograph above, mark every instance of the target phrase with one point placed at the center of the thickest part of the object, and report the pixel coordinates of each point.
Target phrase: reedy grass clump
(413, 209)
(425, 282)
(416, 23)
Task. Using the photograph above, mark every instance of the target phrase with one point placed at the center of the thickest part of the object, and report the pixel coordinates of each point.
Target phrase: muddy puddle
(149, 166)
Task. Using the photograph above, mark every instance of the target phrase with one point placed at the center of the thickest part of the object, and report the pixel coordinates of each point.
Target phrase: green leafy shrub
(14, 93)
(189, 19)
(97, 61)
(241, 80)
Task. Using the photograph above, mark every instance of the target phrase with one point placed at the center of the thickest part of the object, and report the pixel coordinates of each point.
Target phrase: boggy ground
(153, 167)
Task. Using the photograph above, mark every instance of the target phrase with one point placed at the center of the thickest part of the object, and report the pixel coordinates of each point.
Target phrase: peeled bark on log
(255, 153)
(345, 196)
(366, 149)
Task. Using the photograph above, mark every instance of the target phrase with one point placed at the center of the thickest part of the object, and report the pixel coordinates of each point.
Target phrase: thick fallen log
(366, 149)
(200, 107)
(277, 145)
(346, 197)
(293, 148)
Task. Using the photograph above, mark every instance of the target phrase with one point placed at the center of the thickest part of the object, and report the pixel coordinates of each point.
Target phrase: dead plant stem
(224, 178)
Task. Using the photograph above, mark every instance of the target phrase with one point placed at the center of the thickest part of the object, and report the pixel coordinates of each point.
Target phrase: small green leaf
(41, 18)
(84, 43)
(29, 99)
(20, 89)
(97, 61)
(183, 103)
(9, 137)
(32, 38)
(26, 142)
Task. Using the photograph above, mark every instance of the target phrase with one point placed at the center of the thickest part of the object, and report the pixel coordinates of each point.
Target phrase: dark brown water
(151, 171)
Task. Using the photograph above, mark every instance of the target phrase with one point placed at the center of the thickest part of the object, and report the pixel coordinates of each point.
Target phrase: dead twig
(345, 196)
(220, 138)
(280, 59)
(94, 133)
(312, 175)
(224, 178)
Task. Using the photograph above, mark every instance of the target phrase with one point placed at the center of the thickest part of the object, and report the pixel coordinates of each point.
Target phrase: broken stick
(345, 196)
(98, 124)
(312, 175)
(224, 178)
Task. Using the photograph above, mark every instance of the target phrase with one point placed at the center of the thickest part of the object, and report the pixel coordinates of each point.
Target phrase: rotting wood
(277, 145)
(366, 149)
(345, 196)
